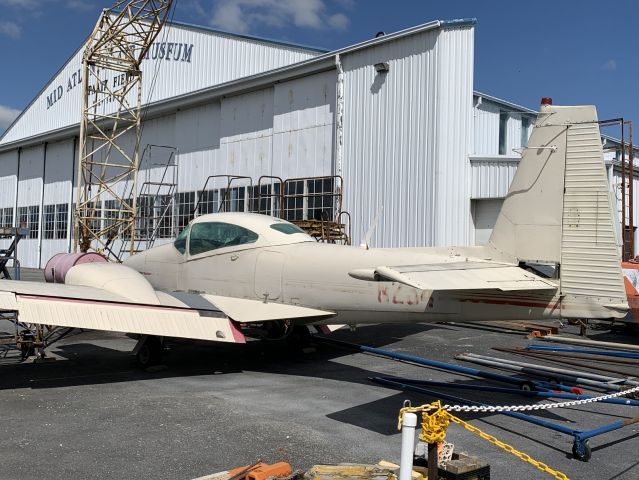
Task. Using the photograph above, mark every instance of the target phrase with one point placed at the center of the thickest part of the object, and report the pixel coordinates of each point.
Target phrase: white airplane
(553, 254)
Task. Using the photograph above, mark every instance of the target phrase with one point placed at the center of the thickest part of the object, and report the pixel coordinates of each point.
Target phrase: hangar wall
(184, 59)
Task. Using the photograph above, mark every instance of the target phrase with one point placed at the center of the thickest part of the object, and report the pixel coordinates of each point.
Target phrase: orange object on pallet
(263, 471)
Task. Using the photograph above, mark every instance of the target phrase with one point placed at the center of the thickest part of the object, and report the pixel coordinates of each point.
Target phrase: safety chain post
(435, 421)
(408, 424)
(433, 468)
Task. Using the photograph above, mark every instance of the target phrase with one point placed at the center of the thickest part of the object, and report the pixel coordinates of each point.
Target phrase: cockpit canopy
(239, 230)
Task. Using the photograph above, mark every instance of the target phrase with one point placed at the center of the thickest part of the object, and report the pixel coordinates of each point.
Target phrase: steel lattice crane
(110, 123)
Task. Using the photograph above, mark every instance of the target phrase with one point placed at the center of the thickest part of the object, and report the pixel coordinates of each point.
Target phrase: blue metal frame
(580, 448)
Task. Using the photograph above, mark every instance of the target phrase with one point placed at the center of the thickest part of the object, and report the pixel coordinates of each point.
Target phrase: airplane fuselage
(316, 275)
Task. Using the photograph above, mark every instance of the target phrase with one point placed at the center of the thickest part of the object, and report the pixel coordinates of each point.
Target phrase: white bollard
(408, 446)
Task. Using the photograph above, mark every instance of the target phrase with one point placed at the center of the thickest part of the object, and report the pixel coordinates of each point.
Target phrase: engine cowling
(111, 277)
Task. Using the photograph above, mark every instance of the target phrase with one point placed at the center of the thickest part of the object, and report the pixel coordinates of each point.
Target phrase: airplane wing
(460, 276)
(182, 315)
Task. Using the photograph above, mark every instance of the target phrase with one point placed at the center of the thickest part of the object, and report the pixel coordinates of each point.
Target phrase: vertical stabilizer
(559, 210)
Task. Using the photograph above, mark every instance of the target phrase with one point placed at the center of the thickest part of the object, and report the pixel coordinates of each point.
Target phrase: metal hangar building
(388, 128)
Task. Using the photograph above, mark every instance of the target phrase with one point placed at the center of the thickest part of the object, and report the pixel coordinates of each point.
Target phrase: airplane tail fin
(559, 211)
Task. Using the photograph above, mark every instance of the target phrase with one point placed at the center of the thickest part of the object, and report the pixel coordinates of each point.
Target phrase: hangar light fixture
(381, 67)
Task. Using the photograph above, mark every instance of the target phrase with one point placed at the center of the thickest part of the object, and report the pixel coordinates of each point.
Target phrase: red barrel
(58, 265)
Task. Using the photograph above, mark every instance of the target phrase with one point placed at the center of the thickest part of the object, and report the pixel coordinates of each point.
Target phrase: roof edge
(249, 37)
(459, 22)
(316, 63)
(505, 102)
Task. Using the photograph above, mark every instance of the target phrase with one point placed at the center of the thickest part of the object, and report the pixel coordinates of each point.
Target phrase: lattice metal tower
(111, 108)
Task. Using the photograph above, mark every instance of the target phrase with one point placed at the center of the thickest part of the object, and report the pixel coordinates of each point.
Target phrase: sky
(577, 52)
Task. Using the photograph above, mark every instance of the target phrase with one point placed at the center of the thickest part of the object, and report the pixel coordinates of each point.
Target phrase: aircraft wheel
(150, 353)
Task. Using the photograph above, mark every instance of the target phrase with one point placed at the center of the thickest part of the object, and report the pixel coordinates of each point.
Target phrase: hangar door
(485, 212)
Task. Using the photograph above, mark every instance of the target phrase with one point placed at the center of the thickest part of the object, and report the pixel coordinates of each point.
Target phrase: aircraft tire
(150, 353)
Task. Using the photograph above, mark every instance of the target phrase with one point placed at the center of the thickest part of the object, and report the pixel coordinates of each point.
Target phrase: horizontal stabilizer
(465, 276)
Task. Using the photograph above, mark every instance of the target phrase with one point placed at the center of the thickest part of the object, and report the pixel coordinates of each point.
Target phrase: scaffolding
(10, 254)
(625, 160)
(110, 126)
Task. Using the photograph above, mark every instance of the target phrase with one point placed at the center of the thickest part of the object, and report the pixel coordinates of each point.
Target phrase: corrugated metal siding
(57, 191)
(30, 194)
(8, 185)
(491, 177)
(406, 137)
(215, 59)
(588, 230)
(486, 129)
(286, 130)
(303, 126)
(454, 136)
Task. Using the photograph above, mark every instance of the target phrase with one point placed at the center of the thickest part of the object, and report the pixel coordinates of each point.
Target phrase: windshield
(180, 241)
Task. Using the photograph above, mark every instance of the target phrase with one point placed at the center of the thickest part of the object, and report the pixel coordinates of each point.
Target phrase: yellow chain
(434, 430)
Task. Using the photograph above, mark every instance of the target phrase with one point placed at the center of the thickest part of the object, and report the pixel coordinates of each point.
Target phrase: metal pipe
(426, 362)
(592, 343)
(565, 371)
(552, 348)
(549, 358)
(591, 355)
(408, 446)
(541, 373)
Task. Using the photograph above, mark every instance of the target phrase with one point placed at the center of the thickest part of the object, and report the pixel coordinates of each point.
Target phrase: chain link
(541, 406)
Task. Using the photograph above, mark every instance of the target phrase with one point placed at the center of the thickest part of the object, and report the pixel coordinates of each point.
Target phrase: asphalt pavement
(93, 414)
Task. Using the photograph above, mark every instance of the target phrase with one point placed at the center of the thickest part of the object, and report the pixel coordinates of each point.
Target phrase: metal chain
(508, 448)
(542, 406)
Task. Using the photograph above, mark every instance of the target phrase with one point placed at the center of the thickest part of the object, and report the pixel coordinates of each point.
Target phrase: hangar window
(54, 221)
(208, 202)
(320, 198)
(6, 217)
(48, 222)
(213, 235)
(294, 200)
(264, 198)
(186, 205)
(180, 241)
(61, 220)
(233, 199)
(30, 217)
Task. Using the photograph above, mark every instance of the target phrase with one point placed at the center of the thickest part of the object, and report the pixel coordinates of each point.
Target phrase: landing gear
(581, 450)
(149, 351)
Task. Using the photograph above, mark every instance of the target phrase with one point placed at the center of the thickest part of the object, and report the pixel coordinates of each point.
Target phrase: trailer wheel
(527, 386)
(581, 450)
